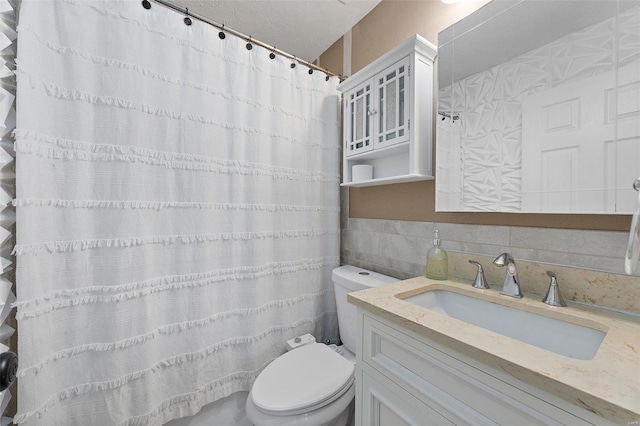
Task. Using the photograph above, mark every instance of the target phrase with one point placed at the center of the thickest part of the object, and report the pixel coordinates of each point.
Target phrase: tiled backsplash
(614, 291)
(399, 248)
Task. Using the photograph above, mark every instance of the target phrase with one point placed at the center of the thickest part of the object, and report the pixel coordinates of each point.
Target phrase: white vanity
(419, 366)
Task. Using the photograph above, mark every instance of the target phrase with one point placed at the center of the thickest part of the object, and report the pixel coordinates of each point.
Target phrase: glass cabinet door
(358, 128)
(392, 105)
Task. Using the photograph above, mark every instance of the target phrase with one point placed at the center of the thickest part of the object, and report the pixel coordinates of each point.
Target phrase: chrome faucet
(480, 281)
(553, 296)
(511, 286)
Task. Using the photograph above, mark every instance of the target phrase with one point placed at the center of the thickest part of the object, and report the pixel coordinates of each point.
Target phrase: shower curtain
(177, 212)
(7, 184)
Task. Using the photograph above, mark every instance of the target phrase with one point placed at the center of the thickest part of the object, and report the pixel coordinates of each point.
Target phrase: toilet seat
(302, 380)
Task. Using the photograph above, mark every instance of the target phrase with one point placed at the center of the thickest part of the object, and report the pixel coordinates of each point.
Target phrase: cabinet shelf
(387, 180)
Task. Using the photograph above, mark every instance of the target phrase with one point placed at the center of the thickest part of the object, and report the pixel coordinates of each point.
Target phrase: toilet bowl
(314, 384)
(311, 385)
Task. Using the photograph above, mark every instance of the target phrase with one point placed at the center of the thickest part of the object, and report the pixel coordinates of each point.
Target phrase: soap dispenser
(437, 262)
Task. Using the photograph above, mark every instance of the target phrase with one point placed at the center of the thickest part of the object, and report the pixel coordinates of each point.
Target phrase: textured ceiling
(304, 28)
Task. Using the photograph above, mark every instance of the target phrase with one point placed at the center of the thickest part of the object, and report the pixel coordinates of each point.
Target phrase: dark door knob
(8, 369)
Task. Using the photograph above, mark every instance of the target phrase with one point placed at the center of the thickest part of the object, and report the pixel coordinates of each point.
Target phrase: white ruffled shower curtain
(7, 183)
(177, 212)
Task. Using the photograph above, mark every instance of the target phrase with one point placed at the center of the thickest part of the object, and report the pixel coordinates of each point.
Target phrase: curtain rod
(249, 39)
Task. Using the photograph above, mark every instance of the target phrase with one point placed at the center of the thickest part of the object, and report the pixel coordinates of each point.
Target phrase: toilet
(314, 384)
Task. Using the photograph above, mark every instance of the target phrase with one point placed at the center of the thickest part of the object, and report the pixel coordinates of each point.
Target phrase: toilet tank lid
(355, 278)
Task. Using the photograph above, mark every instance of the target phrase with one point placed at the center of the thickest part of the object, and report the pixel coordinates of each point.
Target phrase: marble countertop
(608, 384)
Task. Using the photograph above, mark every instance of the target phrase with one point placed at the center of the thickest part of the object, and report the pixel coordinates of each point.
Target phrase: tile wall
(399, 248)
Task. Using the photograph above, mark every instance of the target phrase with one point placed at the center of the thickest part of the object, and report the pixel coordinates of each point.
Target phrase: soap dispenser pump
(437, 262)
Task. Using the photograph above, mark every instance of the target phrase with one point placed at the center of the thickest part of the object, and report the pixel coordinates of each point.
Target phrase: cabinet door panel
(358, 113)
(391, 124)
(390, 405)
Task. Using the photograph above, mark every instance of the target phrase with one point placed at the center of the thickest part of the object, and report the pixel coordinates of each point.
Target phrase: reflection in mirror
(539, 108)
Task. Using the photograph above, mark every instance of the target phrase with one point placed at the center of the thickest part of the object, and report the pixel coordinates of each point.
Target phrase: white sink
(564, 338)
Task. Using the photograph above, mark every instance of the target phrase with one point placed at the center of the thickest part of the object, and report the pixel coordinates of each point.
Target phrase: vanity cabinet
(388, 116)
(406, 378)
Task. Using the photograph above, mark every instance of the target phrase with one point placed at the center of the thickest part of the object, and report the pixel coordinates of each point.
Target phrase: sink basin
(564, 338)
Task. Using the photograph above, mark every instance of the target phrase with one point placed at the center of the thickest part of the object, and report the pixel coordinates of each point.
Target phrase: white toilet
(314, 384)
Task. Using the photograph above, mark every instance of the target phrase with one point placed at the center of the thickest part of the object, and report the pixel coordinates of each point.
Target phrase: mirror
(539, 108)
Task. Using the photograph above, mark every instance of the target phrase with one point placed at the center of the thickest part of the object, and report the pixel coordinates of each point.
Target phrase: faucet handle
(479, 282)
(553, 296)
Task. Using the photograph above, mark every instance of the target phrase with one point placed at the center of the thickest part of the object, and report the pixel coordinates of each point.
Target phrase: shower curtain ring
(221, 34)
(249, 45)
(187, 20)
(293, 64)
(146, 4)
(272, 55)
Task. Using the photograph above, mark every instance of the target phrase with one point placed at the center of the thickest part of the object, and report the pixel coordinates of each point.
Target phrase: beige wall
(331, 59)
(394, 21)
(389, 24)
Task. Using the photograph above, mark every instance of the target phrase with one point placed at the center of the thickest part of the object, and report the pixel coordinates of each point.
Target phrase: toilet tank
(345, 280)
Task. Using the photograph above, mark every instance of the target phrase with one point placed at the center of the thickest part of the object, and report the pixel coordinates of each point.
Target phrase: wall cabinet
(388, 116)
(407, 379)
